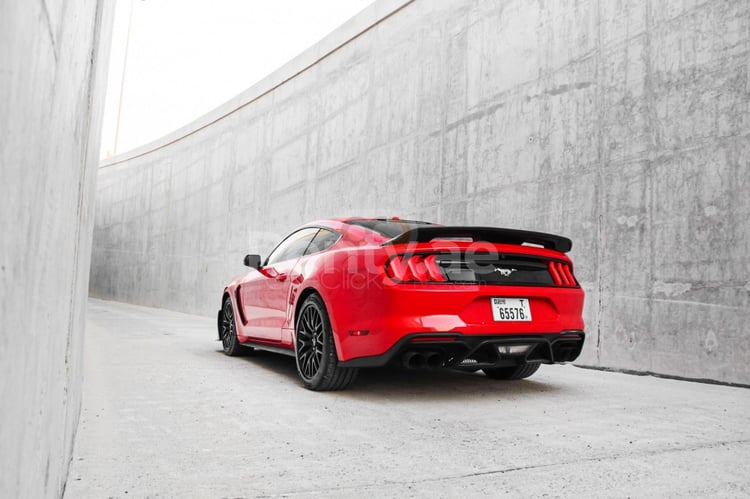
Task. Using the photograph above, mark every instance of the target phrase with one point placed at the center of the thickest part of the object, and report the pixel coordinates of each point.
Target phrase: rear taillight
(562, 275)
(414, 268)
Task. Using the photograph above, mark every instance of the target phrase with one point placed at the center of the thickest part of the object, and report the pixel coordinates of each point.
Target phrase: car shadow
(439, 384)
(394, 383)
(283, 365)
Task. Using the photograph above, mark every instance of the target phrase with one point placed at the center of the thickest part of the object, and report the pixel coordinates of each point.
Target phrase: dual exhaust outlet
(422, 360)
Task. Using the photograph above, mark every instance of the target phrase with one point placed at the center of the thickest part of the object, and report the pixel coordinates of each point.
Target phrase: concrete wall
(623, 125)
(51, 60)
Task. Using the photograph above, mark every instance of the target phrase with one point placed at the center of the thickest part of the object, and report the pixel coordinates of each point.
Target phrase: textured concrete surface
(166, 414)
(623, 125)
(52, 75)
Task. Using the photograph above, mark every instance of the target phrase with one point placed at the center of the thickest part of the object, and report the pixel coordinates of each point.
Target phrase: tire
(515, 372)
(315, 351)
(228, 331)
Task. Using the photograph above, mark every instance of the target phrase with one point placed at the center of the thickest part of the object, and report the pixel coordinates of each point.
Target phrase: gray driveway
(166, 414)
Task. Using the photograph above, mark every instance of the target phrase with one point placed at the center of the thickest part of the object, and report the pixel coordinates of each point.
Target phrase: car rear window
(388, 227)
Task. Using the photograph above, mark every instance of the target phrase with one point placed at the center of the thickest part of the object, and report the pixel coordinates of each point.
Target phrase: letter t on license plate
(511, 309)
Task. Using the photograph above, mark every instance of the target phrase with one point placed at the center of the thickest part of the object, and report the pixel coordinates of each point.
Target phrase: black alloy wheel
(317, 362)
(309, 342)
(228, 331)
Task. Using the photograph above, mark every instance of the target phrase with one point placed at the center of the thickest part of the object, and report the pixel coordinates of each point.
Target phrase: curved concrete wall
(52, 76)
(623, 125)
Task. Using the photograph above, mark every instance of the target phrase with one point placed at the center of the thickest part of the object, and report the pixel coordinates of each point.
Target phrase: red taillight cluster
(561, 274)
(414, 268)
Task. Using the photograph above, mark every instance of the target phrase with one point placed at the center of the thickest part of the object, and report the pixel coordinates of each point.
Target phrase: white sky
(186, 57)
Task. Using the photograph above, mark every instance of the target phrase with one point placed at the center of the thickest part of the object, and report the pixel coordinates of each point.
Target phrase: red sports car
(343, 294)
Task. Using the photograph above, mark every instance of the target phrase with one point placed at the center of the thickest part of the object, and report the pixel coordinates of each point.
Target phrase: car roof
(374, 229)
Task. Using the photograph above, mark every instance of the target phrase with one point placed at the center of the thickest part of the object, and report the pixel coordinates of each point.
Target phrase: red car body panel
(370, 312)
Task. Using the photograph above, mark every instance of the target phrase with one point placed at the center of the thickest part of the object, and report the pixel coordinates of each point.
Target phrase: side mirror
(252, 261)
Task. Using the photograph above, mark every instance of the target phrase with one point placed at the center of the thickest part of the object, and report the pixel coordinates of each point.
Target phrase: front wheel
(317, 362)
(516, 372)
(228, 331)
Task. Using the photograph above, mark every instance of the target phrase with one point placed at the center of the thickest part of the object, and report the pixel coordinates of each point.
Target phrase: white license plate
(511, 309)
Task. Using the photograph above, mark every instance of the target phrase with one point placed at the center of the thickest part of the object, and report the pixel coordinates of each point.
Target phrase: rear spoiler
(488, 234)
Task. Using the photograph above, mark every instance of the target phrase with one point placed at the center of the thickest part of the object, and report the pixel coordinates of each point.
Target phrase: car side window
(324, 239)
(293, 246)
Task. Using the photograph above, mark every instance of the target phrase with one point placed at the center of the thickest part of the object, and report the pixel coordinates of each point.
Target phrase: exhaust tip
(434, 360)
(414, 360)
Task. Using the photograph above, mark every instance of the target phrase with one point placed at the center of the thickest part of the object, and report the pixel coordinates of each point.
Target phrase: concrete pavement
(166, 414)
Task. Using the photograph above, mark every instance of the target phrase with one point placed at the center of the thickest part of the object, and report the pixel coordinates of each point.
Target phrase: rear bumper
(393, 313)
(472, 352)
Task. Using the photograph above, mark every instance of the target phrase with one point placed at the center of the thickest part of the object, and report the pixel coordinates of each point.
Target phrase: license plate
(511, 309)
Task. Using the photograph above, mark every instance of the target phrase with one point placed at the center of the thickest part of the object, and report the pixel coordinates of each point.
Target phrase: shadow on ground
(393, 383)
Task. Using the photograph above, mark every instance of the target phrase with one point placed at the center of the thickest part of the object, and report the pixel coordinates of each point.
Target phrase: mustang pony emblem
(505, 272)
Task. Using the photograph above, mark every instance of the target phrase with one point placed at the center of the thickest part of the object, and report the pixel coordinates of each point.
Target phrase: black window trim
(265, 263)
(304, 253)
(316, 235)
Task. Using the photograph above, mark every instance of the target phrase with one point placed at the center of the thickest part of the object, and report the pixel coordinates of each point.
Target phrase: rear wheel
(228, 331)
(317, 362)
(515, 372)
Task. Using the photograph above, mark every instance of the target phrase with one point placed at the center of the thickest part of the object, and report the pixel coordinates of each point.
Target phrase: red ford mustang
(343, 294)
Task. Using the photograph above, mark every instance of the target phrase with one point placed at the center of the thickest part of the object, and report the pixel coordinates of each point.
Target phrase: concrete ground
(166, 414)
